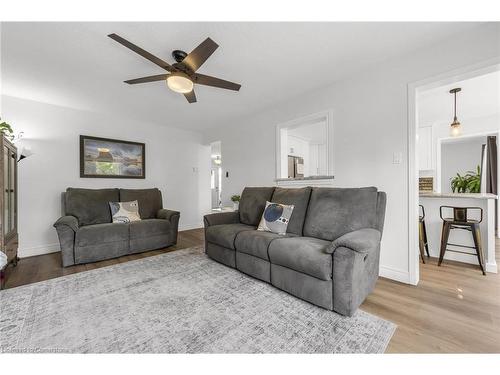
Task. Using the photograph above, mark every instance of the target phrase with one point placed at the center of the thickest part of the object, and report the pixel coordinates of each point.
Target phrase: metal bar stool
(422, 235)
(460, 221)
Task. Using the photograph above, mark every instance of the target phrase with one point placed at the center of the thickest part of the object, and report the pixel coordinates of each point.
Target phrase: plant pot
(236, 205)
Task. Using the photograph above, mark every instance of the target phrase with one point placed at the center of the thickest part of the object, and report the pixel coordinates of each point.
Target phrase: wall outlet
(397, 158)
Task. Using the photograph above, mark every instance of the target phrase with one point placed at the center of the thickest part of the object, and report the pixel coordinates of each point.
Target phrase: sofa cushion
(256, 242)
(252, 203)
(149, 228)
(150, 200)
(98, 234)
(333, 212)
(225, 234)
(300, 199)
(302, 254)
(90, 206)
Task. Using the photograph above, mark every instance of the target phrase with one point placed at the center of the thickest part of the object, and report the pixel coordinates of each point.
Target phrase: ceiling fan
(182, 75)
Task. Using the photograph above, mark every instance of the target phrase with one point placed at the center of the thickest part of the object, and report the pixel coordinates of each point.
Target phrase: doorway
(216, 175)
(429, 134)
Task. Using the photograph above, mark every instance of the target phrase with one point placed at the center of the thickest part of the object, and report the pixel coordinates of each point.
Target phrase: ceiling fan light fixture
(180, 83)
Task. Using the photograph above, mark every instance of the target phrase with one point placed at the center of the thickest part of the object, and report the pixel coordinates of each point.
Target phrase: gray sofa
(87, 234)
(329, 255)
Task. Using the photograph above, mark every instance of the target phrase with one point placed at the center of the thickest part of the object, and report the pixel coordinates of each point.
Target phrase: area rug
(178, 302)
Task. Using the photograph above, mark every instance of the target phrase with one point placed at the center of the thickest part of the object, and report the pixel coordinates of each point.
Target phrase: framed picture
(111, 158)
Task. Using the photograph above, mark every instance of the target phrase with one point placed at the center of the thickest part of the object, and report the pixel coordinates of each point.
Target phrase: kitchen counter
(299, 182)
(309, 178)
(425, 194)
(432, 202)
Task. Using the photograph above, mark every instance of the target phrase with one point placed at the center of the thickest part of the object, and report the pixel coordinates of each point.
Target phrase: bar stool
(422, 235)
(460, 221)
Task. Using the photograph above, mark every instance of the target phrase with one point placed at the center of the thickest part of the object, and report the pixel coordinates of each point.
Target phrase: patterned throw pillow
(275, 218)
(124, 212)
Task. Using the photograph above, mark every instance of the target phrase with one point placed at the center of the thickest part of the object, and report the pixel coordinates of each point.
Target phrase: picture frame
(111, 158)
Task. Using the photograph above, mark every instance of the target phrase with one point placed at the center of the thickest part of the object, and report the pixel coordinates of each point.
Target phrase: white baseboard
(24, 252)
(190, 226)
(394, 274)
(491, 267)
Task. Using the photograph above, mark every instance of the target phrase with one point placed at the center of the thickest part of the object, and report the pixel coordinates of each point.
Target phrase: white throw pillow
(125, 212)
(275, 218)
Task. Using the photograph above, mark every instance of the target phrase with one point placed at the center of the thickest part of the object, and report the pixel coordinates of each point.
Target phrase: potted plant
(469, 183)
(6, 130)
(236, 201)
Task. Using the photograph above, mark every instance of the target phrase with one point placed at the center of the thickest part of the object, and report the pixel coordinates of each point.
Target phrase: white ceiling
(480, 97)
(77, 65)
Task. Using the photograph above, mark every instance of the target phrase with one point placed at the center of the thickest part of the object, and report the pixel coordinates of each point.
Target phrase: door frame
(460, 74)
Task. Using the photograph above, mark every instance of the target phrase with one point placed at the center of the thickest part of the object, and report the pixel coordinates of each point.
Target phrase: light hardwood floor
(453, 309)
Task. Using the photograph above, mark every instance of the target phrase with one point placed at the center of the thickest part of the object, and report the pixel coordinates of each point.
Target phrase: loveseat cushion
(149, 228)
(300, 199)
(150, 200)
(90, 206)
(252, 204)
(256, 242)
(98, 234)
(225, 234)
(303, 254)
(333, 212)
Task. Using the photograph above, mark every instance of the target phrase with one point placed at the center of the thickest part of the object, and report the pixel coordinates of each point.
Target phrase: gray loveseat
(329, 255)
(87, 234)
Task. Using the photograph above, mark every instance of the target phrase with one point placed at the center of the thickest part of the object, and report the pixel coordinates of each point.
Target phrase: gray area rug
(178, 302)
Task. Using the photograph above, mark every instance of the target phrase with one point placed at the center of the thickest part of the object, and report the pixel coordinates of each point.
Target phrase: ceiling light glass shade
(179, 83)
(456, 128)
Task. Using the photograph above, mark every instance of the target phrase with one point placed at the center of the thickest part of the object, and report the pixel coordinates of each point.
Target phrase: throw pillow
(124, 212)
(275, 218)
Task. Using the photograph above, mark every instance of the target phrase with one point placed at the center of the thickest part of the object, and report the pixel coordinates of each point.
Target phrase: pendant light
(456, 127)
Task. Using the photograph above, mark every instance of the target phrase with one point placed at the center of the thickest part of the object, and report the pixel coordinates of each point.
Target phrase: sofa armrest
(361, 241)
(66, 228)
(166, 214)
(219, 218)
(69, 221)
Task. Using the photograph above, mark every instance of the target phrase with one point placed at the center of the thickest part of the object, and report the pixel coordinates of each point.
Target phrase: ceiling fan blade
(143, 53)
(200, 54)
(190, 96)
(202, 79)
(158, 77)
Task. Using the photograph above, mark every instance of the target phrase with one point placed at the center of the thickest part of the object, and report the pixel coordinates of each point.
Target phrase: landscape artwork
(111, 158)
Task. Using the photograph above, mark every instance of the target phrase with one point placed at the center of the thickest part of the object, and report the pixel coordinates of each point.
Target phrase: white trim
(312, 118)
(24, 252)
(460, 74)
(394, 274)
(190, 226)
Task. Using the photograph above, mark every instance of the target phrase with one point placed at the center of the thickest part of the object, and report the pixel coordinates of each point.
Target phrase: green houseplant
(468, 183)
(6, 130)
(236, 201)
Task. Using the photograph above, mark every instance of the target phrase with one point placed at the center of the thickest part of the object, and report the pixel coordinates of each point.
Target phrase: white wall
(459, 157)
(370, 121)
(176, 163)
